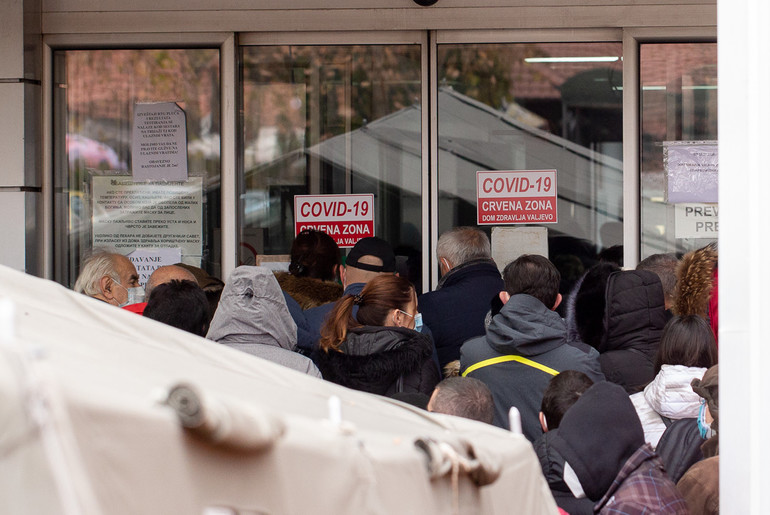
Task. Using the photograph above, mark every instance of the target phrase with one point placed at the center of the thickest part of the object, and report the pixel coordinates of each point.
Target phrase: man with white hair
(455, 311)
(109, 277)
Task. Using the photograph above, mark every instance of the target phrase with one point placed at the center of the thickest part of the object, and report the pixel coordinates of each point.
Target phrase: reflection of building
(481, 138)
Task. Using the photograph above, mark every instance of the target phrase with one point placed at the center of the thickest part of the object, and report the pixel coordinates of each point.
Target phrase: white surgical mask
(134, 295)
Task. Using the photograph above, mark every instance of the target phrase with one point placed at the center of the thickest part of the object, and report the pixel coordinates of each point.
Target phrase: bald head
(166, 274)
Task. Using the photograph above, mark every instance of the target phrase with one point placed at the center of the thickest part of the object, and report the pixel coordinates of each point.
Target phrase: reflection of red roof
(542, 80)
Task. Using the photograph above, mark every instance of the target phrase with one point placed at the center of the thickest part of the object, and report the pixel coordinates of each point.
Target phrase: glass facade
(678, 120)
(348, 119)
(543, 106)
(320, 120)
(95, 96)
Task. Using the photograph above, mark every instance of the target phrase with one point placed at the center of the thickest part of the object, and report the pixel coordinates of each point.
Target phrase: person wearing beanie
(700, 484)
(606, 458)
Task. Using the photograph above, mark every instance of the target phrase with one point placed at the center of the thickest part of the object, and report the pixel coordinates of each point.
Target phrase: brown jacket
(700, 487)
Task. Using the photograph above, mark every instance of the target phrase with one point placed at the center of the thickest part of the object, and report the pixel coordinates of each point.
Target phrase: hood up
(597, 435)
(525, 326)
(635, 312)
(252, 310)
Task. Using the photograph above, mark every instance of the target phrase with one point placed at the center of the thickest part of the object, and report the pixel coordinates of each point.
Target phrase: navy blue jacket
(455, 311)
(315, 317)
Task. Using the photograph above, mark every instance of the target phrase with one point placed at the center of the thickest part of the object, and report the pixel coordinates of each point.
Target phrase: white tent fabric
(84, 428)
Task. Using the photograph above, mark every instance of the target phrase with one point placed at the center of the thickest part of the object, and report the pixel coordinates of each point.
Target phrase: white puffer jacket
(670, 395)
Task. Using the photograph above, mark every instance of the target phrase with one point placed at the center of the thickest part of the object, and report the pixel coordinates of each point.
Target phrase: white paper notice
(159, 142)
(692, 171)
(147, 261)
(131, 215)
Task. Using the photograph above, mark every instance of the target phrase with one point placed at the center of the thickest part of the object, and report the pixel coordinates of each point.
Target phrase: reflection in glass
(535, 107)
(330, 120)
(94, 100)
(678, 103)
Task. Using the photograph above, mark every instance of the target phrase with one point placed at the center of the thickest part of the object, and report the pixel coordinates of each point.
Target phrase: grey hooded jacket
(252, 317)
(524, 328)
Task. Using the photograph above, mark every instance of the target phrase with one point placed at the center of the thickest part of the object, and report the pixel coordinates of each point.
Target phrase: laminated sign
(516, 197)
(346, 218)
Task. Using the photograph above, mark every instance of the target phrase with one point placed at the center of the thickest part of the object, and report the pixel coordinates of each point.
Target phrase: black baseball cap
(372, 246)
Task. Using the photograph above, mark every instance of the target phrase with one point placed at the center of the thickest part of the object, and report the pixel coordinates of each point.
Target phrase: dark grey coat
(525, 327)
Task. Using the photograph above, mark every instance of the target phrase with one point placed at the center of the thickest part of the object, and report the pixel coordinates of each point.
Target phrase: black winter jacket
(382, 360)
(552, 464)
(634, 322)
(597, 435)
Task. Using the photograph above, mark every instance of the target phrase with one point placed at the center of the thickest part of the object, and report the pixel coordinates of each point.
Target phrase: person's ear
(394, 314)
(444, 265)
(558, 301)
(343, 273)
(505, 296)
(543, 422)
(106, 285)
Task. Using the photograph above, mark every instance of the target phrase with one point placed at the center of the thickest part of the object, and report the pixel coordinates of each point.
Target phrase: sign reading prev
(132, 215)
(346, 218)
(697, 221)
(159, 142)
(516, 197)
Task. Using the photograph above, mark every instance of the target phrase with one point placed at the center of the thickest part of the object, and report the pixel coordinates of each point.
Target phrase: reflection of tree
(481, 73)
(345, 85)
(103, 86)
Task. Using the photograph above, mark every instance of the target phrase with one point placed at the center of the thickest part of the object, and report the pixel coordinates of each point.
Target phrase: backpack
(679, 446)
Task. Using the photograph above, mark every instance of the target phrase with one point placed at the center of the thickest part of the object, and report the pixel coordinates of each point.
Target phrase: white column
(20, 187)
(744, 255)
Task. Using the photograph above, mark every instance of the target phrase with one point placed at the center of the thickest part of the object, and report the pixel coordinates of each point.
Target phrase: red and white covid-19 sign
(346, 218)
(516, 197)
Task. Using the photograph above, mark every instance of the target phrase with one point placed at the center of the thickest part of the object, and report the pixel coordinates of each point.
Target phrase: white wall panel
(11, 39)
(13, 250)
(12, 134)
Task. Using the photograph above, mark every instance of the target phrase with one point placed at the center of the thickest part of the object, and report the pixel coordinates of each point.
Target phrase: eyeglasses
(407, 314)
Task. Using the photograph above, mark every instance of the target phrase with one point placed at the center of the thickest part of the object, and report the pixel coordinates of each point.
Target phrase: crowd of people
(614, 382)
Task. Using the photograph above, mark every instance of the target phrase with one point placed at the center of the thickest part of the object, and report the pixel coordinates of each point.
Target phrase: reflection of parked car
(90, 153)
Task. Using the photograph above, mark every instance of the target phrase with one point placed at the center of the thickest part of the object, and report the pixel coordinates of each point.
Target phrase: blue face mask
(705, 429)
(418, 322)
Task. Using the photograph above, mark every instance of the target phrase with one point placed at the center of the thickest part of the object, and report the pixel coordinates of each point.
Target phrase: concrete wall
(20, 135)
(119, 16)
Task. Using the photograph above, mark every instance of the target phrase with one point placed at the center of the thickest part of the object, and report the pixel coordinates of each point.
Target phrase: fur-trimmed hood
(695, 280)
(307, 291)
